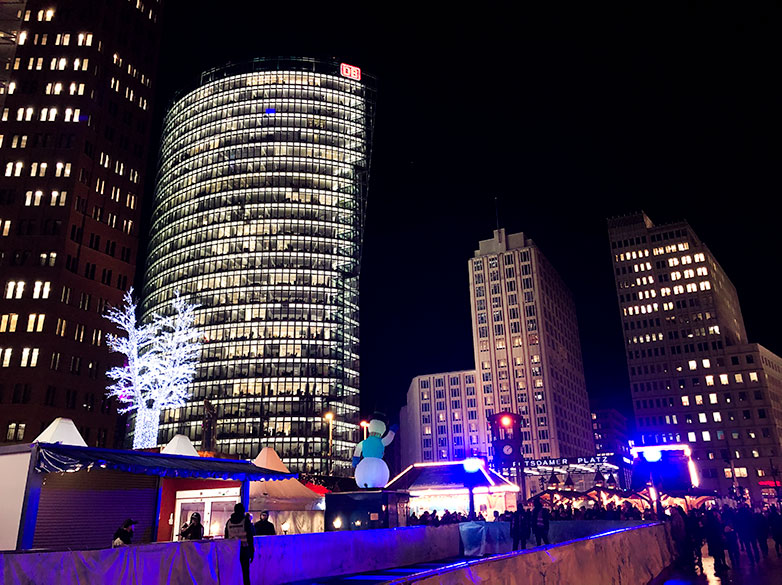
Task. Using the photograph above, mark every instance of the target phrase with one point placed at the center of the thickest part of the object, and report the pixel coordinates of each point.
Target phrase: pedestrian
(775, 526)
(239, 526)
(715, 540)
(263, 527)
(540, 522)
(680, 538)
(124, 534)
(760, 524)
(732, 544)
(519, 528)
(695, 533)
(194, 530)
(745, 526)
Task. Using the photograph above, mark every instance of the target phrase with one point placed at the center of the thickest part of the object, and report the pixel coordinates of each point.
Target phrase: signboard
(350, 71)
(561, 461)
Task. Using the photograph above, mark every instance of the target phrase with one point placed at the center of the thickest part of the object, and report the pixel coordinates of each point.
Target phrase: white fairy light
(161, 358)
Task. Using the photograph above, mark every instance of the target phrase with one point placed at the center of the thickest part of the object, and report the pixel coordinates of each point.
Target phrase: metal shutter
(83, 509)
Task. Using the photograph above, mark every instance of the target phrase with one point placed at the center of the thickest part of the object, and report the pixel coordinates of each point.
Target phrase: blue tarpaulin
(56, 457)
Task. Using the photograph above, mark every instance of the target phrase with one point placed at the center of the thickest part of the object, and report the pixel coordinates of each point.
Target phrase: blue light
(653, 455)
(271, 110)
(472, 464)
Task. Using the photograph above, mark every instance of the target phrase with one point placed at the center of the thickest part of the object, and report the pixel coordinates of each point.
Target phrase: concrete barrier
(280, 559)
(628, 556)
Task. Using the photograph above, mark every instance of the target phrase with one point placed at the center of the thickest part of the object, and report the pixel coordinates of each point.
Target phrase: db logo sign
(350, 71)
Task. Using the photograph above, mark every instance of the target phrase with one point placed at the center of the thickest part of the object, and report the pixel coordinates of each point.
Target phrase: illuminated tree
(161, 357)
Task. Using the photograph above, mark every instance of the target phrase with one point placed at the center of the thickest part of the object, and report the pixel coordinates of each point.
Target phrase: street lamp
(365, 426)
(329, 416)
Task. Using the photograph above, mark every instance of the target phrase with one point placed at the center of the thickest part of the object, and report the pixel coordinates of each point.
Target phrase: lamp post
(329, 416)
(365, 426)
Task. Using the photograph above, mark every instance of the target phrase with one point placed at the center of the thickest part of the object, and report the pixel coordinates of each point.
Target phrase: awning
(57, 458)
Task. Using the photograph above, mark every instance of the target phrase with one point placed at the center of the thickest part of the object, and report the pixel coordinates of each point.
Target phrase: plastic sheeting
(297, 521)
(485, 538)
(201, 563)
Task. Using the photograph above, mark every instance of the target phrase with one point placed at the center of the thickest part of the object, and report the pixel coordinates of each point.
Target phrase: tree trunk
(146, 428)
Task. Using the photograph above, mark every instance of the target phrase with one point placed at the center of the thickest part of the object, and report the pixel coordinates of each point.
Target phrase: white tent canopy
(286, 494)
(63, 431)
(180, 445)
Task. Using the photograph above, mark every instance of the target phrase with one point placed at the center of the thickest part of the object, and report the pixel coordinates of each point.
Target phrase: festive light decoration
(161, 357)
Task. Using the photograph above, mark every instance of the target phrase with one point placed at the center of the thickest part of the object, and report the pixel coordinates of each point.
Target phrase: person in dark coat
(760, 524)
(519, 528)
(539, 521)
(775, 525)
(715, 540)
(194, 530)
(745, 526)
(263, 527)
(239, 526)
(124, 534)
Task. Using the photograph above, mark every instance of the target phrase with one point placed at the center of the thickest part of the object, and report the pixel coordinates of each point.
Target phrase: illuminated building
(527, 349)
(528, 361)
(76, 89)
(694, 377)
(258, 218)
(610, 430)
(434, 422)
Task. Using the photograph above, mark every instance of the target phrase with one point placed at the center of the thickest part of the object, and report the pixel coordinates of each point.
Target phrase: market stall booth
(60, 495)
(446, 486)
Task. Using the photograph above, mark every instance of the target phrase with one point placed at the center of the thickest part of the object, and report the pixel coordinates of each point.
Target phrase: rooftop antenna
(497, 212)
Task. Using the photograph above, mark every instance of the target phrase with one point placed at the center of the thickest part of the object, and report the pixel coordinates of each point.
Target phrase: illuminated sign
(558, 462)
(350, 71)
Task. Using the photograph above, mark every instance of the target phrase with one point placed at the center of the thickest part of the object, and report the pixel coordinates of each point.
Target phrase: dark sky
(566, 118)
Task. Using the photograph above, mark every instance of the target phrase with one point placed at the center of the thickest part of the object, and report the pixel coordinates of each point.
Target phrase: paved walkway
(767, 572)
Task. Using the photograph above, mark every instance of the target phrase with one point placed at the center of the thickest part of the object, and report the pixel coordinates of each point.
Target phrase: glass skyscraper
(258, 218)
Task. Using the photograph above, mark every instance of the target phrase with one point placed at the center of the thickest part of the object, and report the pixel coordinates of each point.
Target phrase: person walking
(775, 526)
(194, 530)
(540, 522)
(124, 534)
(745, 526)
(239, 526)
(519, 528)
(715, 540)
(263, 527)
(760, 525)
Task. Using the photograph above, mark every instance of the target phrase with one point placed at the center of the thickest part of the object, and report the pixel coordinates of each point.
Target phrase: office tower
(528, 361)
(527, 349)
(74, 136)
(694, 376)
(258, 218)
(610, 430)
(440, 420)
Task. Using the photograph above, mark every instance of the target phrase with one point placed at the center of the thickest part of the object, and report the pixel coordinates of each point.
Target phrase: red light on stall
(350, 71)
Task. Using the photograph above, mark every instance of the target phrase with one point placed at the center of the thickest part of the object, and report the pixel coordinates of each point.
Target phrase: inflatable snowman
(372, 471)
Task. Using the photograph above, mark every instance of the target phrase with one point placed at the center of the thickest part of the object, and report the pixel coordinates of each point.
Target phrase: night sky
(566, 118)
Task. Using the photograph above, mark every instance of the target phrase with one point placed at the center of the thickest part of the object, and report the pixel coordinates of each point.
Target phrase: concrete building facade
(527, 357)
(694, 376)
(77, 90)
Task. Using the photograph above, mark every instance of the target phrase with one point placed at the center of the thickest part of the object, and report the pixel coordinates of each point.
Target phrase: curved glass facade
(258, 218)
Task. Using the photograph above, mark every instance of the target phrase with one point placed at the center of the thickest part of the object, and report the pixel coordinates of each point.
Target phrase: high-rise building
(527, 349)
(528, 361)
(258, 218)
(440, 420)
(76, 120)
(610, 431)
(694, 376)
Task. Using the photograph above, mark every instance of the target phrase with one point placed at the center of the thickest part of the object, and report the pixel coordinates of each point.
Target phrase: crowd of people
(726, 531)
